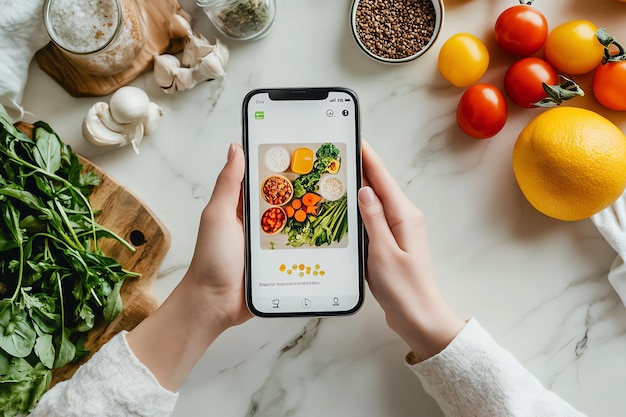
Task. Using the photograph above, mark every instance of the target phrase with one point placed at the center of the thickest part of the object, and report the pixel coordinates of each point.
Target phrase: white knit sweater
(472, 377)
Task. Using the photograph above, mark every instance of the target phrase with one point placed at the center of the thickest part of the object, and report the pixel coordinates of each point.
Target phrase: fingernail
(231, 151)
(367, 196)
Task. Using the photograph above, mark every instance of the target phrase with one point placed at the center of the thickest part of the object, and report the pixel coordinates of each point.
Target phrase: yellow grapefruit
(570, 163)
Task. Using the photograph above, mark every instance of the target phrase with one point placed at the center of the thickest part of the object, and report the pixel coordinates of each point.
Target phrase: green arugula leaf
(55, 282)
(47, 150)
(44, 349)
(41, 309)
(23, 196)
(17, 336)
(22, 387)
(114, 303)
(87, 318)
(65, 351)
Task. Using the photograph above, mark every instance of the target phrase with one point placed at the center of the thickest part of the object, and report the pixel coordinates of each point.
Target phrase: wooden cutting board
(162, 33)
(127, 216)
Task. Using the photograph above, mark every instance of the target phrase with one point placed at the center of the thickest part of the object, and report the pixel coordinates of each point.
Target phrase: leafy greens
(55, 282)
(324, 155)
(331, 224)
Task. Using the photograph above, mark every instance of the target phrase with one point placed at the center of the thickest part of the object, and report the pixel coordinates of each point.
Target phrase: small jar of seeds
(99, 37)
(240, 19)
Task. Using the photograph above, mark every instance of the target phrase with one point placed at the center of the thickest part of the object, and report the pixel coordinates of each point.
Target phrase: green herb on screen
(326, 154)
(329, 226)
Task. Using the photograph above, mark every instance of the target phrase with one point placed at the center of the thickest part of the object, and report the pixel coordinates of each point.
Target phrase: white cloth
(472, 377)
(112, 383)
(22, 33)
(611, 222)
(475, 377)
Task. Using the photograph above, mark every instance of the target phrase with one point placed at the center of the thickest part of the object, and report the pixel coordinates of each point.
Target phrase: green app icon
(259, 115)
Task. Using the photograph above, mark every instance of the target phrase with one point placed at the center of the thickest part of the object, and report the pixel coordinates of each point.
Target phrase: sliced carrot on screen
(310, 199)
(300, 215)
(290, 211)
(296, 203)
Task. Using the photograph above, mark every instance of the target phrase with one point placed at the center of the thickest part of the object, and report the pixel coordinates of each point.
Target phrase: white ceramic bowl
(439, 13)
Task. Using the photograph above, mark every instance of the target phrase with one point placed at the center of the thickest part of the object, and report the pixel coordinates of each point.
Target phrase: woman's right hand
(400, 273)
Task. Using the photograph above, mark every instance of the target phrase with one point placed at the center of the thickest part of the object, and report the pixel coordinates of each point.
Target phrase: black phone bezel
(294, 94)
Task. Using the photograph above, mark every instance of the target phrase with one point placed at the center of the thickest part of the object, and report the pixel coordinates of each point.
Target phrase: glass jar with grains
(99, 37)
(240, 19)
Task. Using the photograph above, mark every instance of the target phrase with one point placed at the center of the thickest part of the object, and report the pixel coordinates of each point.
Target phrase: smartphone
(304, 235)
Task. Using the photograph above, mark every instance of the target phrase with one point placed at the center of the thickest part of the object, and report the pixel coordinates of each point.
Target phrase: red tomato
(521, 30)
(609, 85)
(523, 80)
(482, 111)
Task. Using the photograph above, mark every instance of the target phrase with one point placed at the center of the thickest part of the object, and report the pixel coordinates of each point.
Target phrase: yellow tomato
(463, 59)
(573, 48)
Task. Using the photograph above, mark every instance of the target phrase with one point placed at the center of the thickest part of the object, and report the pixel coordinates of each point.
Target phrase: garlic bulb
(165, 69)
(179, 27)
(196, 47)
(96, 133)
(221, 51)
(129, 104)
(127, 118)
(210, 67)
(155, 112)
(185, 79)
(201, 61)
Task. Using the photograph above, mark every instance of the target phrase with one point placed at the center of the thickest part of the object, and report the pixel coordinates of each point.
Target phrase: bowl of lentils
(396, 31)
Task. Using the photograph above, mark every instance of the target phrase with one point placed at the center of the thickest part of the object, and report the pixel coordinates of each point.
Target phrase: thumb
(227, 188)
(374, 220)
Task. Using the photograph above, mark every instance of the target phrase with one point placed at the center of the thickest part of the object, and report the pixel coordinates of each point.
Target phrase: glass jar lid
(211, 3)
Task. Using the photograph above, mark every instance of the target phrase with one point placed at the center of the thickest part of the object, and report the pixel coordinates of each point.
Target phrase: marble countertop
(538, 285)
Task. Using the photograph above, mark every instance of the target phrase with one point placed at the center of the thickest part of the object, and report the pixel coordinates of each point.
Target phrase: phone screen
(304, 235)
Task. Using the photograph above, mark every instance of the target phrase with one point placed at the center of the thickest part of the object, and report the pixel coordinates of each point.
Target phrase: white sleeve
(475, 377)
(112, 383)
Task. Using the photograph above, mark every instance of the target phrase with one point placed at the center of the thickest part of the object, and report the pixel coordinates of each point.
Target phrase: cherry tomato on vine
(521, 30)
(463, 59)
(573, 48)
(609, 80)
(482, 111)
(609, 85)
(523, 81)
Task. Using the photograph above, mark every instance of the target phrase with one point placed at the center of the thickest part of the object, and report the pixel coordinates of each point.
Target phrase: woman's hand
(210, 297)
(400, 270)
(216, 270)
